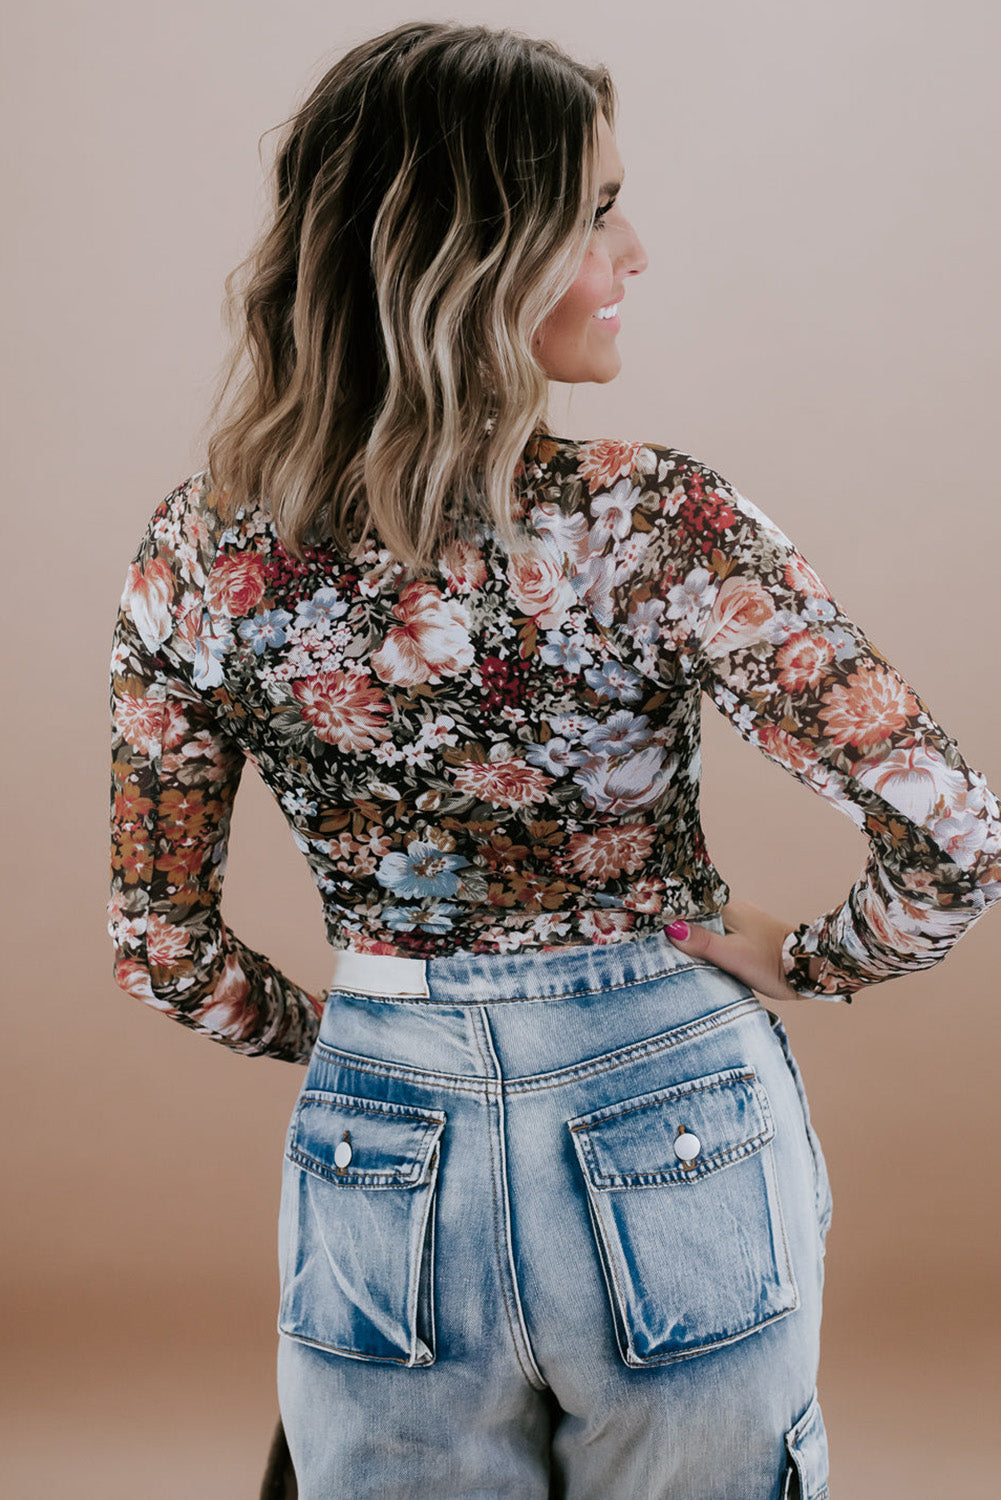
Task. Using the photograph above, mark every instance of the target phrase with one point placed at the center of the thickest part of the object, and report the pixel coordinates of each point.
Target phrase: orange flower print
(139, 721)
(343, 709)
(539, 588)
(610, 852)
(237, 584)
(868, 708)
(802, 661)
(166, 943)
(185, 808)
(431, 643)
(740, 610)
(505, 783)
(796, 754)
(181, 862)
(129, 805)
(135, 860)
(801, 577)
(147, 599)
(133, 978)
(601, 463)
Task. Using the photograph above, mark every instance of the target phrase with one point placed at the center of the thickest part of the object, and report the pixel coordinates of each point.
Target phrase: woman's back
(504, 754)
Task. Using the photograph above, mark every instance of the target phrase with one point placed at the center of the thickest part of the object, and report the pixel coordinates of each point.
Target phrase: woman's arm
(799, 679)
(695, 586)
(174, 776)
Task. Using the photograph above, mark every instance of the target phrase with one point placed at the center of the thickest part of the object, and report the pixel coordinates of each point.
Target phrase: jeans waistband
(549, 973)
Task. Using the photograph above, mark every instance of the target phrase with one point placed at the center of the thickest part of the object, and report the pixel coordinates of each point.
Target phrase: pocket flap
(363, 1143)
(807, 1445)
(632, 1143)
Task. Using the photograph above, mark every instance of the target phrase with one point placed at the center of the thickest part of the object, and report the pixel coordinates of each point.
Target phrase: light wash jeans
(552, 1227)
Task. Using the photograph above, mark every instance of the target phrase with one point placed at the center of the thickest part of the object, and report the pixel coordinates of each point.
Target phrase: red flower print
(147, 599)
(604, 926)
(237, 584)
(432, 642)
(601, 463)
(646, 895)
(803, 660)
(463, 567)
(505, 783)
(229, 1010)
(871, 706)
(343, 708)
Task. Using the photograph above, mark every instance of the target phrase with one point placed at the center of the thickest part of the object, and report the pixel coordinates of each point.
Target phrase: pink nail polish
(677, 930)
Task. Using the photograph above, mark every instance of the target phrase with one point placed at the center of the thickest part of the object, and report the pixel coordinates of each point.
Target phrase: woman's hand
(749, 948)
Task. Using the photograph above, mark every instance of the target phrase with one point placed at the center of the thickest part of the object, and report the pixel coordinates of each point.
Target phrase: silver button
(342, 1154)
(687, 1146)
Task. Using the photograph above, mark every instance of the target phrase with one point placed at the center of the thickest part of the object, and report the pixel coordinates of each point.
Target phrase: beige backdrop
(816, 187)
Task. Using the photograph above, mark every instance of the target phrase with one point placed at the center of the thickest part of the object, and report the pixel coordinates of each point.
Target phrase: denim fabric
(552, 1227)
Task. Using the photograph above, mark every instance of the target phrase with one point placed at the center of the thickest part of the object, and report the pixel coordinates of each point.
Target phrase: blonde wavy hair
(432, 202)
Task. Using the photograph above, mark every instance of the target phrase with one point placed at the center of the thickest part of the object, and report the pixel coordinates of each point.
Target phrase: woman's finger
(751, 952)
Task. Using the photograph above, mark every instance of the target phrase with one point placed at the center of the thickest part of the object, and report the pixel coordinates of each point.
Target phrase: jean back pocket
(684, 1203)
(356, 1227)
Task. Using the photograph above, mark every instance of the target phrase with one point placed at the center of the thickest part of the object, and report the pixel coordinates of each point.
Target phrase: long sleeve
(174, 777)
(797, 677)
(695, 580)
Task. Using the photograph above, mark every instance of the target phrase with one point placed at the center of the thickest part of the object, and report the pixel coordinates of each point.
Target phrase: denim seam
(672, 1175)
(498, 1095)
(769, 1161)
(623, 1056)
(606, 1063)
(675, 1091)
(454, 1082)
(599, 989)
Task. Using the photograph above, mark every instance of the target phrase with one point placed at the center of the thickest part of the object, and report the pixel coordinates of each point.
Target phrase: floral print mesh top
(505, 753)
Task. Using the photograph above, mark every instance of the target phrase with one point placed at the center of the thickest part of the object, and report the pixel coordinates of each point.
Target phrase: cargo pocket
(684, 1203)
(822, 1182)
(356, 1227)
(806, 1444)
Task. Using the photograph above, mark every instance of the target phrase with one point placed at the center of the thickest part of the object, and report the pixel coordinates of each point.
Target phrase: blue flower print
(561, 650)
(424, 870)
(555, 756)
(613, 680)
(267, 629)
(326, 604)
(622, 733)
(433, 918)
(573, 726)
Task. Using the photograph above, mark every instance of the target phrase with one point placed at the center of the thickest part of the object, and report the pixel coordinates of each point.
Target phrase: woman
(553, 1215)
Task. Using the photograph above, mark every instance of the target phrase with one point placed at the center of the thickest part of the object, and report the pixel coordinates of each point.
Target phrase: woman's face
(575, 342)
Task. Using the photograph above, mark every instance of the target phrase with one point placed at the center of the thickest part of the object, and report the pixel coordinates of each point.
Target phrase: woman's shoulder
(590, 467)
(192, 523)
